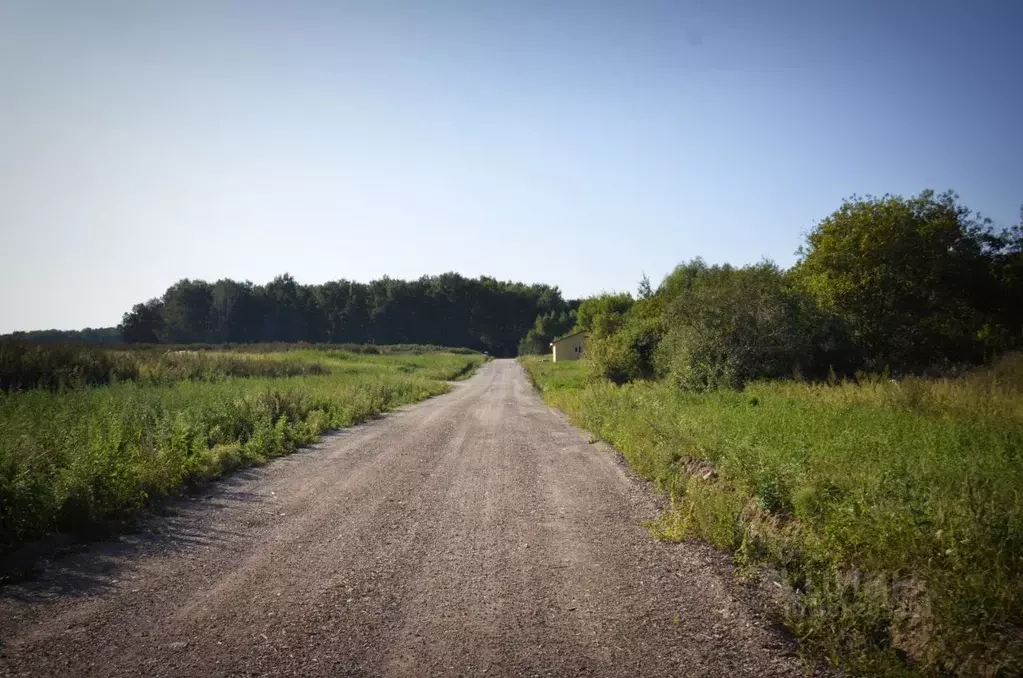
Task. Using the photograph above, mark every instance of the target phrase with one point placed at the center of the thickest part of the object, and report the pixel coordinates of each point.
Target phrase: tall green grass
(26, 365)
(893, 510)
(75, 458)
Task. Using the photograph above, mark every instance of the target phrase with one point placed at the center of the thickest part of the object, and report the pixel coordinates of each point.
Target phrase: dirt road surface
(474, 534)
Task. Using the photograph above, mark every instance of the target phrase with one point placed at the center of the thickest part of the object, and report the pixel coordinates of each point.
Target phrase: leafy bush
(726, 326)
(920, 281)
(628, 353)
(604, 314)
(906, 286)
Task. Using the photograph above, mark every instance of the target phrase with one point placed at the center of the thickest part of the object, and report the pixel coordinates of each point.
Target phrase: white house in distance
(569, 347)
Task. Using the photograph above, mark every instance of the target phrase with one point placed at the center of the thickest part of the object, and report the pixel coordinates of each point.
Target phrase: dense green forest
(448, 310)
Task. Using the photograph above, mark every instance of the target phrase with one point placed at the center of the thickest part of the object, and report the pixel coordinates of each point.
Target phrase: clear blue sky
(575, 143)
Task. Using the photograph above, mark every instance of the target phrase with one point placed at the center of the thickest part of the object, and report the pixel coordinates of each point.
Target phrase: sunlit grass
(73, 458)
(893, 509)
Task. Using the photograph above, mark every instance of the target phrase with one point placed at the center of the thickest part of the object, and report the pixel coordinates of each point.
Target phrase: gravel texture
(476, 533)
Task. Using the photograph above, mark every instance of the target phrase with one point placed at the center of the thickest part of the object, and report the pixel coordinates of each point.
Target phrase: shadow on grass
(96, 563)
(88, 564)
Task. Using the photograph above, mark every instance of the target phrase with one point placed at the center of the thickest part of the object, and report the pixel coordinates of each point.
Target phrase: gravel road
(476, 533)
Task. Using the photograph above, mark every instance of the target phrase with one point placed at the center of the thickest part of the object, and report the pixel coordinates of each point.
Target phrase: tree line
(89, 335)
(450, 310)
(890, 284)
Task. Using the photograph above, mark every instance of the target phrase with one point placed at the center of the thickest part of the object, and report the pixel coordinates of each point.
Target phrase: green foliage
(919, 282)
(185, 311)
(75, 458)
(180, 365)
(604, 314)
(621, 336)
(55, 366)
(450, 310)
(627, 352)
(26, 365)
(726, 326)
(892, 509)
(144, 323)
(890, 284)
(546, 328)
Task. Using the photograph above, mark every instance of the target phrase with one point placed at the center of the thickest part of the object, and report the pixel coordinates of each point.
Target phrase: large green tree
(915, 280)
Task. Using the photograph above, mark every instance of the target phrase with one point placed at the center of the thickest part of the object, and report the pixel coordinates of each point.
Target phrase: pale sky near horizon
(580, 144)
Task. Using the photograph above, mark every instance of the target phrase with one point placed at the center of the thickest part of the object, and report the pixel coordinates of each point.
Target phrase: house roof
(568, 336)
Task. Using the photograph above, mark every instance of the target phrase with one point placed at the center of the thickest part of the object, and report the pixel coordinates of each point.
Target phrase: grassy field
(893, 510)
(100, 434)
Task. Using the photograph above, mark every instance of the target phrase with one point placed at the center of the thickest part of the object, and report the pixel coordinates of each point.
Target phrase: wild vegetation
(894, 510)
(90, 436)
(853, 424)
(26, 365)
(836, 423)
(450, 310)
(89, 335)
(906, 286)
